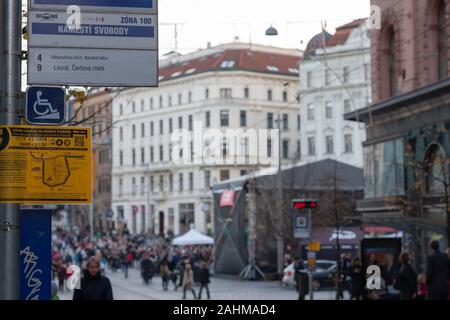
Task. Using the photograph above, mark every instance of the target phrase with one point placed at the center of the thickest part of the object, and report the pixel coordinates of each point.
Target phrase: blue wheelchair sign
(45, 105)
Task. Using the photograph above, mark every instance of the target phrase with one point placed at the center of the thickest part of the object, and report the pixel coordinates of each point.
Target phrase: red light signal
(305, 204)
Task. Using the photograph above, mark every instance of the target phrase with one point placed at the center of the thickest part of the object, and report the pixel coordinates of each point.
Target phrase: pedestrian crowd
(398, 281)
(181, 267)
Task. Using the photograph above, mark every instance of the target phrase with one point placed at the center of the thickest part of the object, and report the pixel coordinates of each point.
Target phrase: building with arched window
(408, 125)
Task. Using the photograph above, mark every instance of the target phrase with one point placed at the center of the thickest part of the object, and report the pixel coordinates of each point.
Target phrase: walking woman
(406, 279)
(356, 280)
(188, 281)
(94, 286)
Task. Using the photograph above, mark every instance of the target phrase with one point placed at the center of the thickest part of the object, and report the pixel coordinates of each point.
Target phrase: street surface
(221, 288)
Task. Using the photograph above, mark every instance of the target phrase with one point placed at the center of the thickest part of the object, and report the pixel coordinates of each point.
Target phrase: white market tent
(193, 237)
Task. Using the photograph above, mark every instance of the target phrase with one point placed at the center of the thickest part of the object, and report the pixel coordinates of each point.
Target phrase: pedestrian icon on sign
(46, 105)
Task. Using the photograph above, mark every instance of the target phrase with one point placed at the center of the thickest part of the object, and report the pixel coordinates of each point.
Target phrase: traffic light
(304, 204)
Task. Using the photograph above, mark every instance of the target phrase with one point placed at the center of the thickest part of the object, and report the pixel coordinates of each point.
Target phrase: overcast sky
(218, 21)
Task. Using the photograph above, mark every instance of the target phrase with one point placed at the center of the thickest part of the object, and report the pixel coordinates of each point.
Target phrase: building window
(285, 121)
(120, 110)
(121, 134)
(328, 110)
(151, 103)
(207, 179)
(133, 133)
(190, 97)
(191, 181)
(190, 123)
(142, 155)
(142, 105)
(133, 186)
(207, 119)
(285, 149)
(298, 154)
(246, 93)
(180, 99)
(160, 102)
(134, 107)
(180, 123)
(348, 143)
(152, 155)
(224, 147)
(192, 151)
(366, 72)
(161, 127)
(152, 131)
(346, 74)
(206, 93)
(224, 118)
(243, 173)
(224, 175)
(187, 216)
(270, 120)
(171, 182)
(243, 118)
(152, 183)
(226, 93)
(327, 76)
(120, 187)
(142, 130)
(133, 157)
(170, 125)
(347, 106)
(329, 145)
(311, 111)
(142, 186)
(309, 79)
(170, 100)
(269, 148)
(180, 182)
(269, 95)
(170, 152)
(161, 183)
(299, 123)
(285, 96)
(389, 62)
(442, 26)
(120, 158)
(311, 146)
(161, 153)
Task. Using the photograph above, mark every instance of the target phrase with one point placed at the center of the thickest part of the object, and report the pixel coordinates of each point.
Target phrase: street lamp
(271, 31)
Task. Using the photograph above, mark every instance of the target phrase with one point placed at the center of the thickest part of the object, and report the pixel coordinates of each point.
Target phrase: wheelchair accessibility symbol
(45, 105)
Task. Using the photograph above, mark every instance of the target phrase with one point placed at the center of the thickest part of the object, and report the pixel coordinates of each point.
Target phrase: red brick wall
(416, 58)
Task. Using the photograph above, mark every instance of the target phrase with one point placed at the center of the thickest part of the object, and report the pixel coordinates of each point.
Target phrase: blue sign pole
(35, 254)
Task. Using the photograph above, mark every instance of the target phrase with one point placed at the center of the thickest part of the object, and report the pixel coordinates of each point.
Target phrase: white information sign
(92, 67)
(96, 30)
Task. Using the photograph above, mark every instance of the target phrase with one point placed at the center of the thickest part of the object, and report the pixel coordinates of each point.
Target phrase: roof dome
(315, 43)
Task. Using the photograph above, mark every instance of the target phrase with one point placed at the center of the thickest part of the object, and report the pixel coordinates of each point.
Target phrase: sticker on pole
(45, 105)
(45, 165)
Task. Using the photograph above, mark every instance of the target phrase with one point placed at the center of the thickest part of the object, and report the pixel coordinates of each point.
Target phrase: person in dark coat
(203, 278)
(357, 278)
(146, 268)
(406, 279)
(437, 274)
(301, 278)
(94, 286)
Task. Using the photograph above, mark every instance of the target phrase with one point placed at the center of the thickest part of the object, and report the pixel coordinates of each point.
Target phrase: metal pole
(10, 90)
(280, 239)
(311, 280)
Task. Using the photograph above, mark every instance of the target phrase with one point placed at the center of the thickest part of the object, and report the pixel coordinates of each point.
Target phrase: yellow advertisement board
(45, 165)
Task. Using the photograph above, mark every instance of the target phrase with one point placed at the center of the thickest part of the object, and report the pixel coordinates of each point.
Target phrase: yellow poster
(45, 165)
